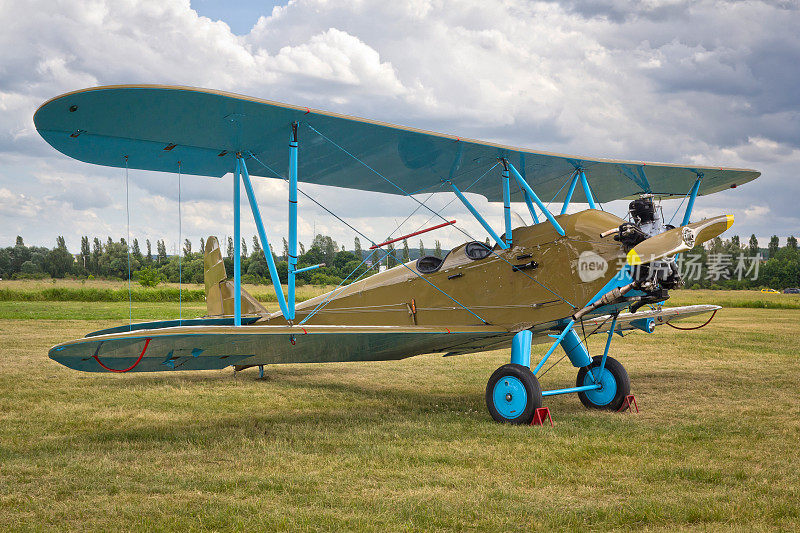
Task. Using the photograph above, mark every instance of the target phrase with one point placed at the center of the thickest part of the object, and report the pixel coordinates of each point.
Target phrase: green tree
(243, 251)
(86, 252)
(229, 249)
(437, 249)
(5, 263)
(136, 252)
(791, 242)
(406, 252)
(187, 248)
(357, 249)
(256, 247)
(114, 261)
(58, 260)
(285, 250)
(752, 245)
(774, 245)
(20, 254)
(421, 249)
(149, 257)
(29, 267)
(149, 277)
(391, 260)
(161, 248)
(97, 253)
(327, 246)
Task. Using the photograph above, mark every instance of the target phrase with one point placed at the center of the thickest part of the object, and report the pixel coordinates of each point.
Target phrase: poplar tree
(753, 244)
(136, 252)
(774, 244)
(97, 252)
(161, 248)
(406, 252)
(86, 259)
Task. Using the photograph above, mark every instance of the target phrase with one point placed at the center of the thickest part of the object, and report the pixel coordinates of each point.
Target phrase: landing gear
(513, 394)
(614, 384)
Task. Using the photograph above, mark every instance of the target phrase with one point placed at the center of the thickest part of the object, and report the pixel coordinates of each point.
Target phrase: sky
(694, 82)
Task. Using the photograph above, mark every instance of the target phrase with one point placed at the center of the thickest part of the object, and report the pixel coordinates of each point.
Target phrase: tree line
(731, 264)
(718, 263)
(111, 259)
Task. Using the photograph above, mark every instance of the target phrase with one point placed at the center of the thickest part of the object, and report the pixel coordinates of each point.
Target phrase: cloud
(17, 205)
(679, 81)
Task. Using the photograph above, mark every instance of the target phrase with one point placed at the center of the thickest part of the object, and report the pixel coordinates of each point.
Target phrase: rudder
(219, 290)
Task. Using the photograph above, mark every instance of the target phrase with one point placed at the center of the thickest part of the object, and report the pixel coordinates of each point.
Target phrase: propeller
(678, 240)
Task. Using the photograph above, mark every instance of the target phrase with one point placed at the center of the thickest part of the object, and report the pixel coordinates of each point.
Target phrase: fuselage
(541, 277)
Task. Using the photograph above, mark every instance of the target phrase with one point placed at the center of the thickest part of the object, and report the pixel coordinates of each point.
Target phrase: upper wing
(156, 127)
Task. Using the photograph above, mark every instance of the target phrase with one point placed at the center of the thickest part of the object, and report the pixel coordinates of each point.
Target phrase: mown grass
(404, 445)
(742, 299)
(117, 291)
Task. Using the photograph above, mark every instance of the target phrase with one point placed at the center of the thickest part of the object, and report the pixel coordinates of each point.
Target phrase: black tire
(595, 399)
(505, 412)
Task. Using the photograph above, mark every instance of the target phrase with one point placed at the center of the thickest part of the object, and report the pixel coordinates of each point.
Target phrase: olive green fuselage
(504, 289)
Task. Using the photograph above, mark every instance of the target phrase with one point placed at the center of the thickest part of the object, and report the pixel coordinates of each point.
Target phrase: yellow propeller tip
(633, 258)
(729, 221)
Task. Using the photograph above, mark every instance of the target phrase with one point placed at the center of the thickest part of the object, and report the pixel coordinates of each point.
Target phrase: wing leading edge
(157, 127)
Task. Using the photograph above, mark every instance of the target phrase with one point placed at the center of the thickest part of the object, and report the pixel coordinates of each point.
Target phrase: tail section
(219, 290)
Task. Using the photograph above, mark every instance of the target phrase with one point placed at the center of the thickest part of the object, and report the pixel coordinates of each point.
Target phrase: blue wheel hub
(608, 386)
(510, 397)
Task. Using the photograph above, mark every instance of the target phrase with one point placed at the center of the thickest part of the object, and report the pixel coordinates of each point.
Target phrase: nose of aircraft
(678, 240)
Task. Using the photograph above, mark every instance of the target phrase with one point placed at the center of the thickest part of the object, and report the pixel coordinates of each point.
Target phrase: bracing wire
(128, 244)
(321, 305)
(333, 292)
(421, 204)
(180, 237)
(677, 210)
(435, 213)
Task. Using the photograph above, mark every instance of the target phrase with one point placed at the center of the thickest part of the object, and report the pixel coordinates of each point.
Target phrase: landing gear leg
(513, 393)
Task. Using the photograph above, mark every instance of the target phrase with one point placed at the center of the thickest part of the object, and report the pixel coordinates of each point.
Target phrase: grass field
(405, 445)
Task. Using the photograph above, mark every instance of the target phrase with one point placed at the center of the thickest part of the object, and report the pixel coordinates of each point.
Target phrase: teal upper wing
(158, 127)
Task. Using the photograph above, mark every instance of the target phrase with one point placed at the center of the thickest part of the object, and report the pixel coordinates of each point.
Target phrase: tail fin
(219, 290)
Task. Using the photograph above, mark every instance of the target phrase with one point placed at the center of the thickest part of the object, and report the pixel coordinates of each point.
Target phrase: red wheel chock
(541, 414)
(629, 404)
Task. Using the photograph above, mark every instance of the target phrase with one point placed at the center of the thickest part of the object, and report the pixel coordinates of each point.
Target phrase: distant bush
(84, 294)
(30, 275)
(148, 277)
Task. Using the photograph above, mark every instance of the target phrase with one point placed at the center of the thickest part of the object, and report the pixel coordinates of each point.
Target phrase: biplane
(558, 280)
